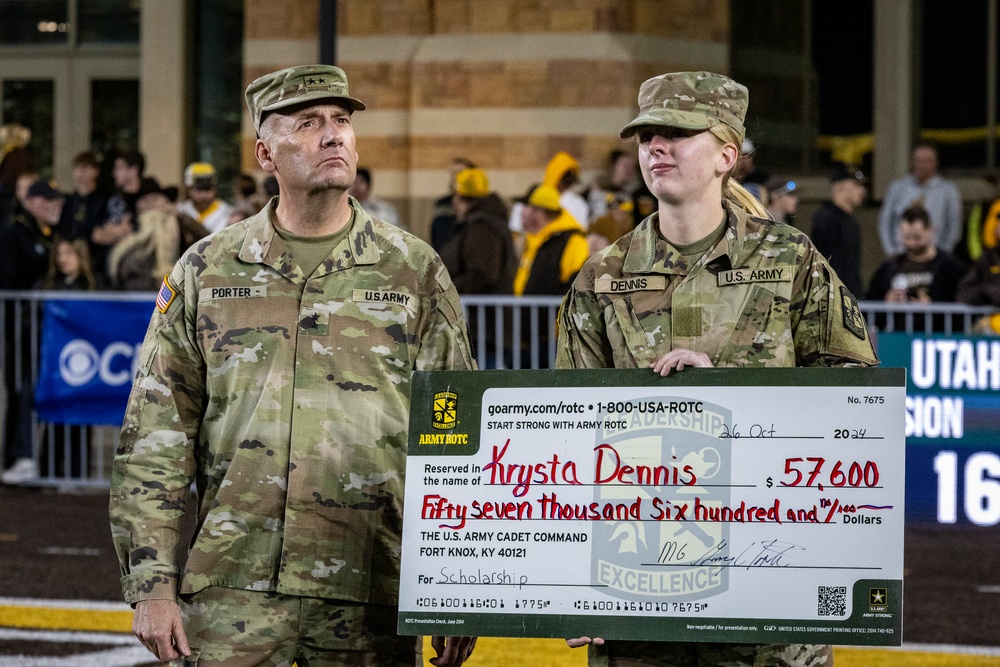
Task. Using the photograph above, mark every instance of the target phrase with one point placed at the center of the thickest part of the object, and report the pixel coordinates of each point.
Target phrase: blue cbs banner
(952, 425)
(89, 353)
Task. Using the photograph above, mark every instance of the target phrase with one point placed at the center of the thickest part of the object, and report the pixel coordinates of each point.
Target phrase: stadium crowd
(127, 235)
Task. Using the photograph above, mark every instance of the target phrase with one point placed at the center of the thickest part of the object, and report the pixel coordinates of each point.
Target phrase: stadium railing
(506, 332)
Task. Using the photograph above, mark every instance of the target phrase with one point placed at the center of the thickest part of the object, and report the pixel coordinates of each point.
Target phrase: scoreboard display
(952, 425)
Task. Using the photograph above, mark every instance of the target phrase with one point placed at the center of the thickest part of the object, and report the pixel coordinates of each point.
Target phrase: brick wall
(506, 83)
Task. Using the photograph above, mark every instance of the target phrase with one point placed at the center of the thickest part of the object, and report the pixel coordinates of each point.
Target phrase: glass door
(71, 103)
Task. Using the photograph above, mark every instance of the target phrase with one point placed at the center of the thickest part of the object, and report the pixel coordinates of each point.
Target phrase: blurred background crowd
(491, 131)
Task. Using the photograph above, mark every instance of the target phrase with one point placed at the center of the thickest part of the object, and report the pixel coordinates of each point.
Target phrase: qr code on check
(832, 600)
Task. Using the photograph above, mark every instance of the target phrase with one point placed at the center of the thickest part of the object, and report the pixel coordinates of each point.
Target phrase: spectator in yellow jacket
(555, 245)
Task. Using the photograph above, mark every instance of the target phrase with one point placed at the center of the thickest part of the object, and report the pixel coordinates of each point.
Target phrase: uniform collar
(262, 245)
(648, 252)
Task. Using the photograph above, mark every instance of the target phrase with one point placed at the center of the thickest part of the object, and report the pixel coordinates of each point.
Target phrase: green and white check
(714, 505)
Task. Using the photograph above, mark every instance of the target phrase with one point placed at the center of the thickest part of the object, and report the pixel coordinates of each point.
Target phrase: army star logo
(445, 410)
(854, 321)
(878, 598)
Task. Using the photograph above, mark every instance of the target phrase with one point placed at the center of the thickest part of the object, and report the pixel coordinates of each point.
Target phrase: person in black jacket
(25, 245)
(86, 207)
(26, 242)
(836, 232)
(923, 273)
(555, 246)
(480, 258)
(480, 254)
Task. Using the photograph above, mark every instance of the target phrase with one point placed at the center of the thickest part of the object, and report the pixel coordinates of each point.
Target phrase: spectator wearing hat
(782, 199)
(202, 204)
(555, 246)
(562, 173)
(26, 242)
(836, 232)
(25, 246)
(480, 254)
(361, 190)
(443, 219)
(480, 257)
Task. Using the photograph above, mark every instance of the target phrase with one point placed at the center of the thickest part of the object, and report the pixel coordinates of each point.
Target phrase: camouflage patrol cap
(690, 101)
(296, 85)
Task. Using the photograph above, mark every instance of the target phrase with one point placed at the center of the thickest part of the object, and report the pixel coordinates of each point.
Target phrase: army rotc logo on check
(445, 410)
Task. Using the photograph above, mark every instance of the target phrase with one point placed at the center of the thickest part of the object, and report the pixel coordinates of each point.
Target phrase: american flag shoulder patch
(165, 296)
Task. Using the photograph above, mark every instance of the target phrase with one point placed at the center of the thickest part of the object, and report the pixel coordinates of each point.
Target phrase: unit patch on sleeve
(854, 321)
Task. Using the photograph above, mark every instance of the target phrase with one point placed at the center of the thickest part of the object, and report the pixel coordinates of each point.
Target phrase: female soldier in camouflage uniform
(705, 281)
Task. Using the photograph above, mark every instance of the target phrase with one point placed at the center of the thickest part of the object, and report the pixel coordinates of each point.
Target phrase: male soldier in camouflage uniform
(275, 376)
(705, 281)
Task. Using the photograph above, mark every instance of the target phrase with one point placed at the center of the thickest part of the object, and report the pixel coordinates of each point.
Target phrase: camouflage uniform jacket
(285, 399)
(763, 296)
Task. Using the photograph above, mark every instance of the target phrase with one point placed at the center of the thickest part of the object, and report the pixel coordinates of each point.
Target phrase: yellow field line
(862, 657)
(555, 653)
(81, 616)
(65, 615)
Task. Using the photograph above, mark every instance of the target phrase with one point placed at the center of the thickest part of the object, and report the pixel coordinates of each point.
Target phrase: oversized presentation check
(716, 505)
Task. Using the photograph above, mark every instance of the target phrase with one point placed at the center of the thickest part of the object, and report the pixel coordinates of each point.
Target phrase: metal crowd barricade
(506, 331)
(509, 332)
(942, 318)
(67, 455)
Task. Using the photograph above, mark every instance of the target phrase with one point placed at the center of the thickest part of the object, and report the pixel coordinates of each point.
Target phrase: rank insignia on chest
(854, 321)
